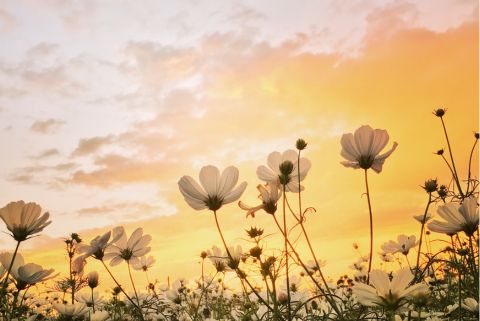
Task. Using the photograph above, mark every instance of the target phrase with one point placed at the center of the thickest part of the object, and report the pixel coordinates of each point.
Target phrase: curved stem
(470, 164)
(371, 229)
(126, 295)
(133, 284)
(421, 235)
(5, 282)
(451, 157)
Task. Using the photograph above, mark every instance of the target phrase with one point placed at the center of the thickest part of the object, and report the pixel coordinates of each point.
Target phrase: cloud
(8, 22)
(49, 126)
(42, 49)
(47, 154)
(91, 145)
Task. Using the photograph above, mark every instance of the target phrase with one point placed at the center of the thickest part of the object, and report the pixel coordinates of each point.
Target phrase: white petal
(266, 175)
(273, 161)
(290, 155)
(235, 194)
(228, 181)
(210, 179)
(188, 186)
(380, 281)
(401, 281)
(380, 140)
(364, 139)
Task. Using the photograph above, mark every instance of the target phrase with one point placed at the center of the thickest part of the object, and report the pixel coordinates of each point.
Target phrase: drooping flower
(458, 218)
(144, 264)
(100, 243)
(92, 279)
(23, 219)
(25, 274)
(217, 190)
(403, 245)
(385, 293)
(362, 149)
(419, 218)
(269, 194)
(88, 299)
(130, 250)
(283, 170)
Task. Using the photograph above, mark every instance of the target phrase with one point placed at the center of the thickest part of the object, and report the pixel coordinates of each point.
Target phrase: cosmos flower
(458, 218)
(283, 170)
(470, 304)
(71, 309)
(92, 279)
(99, 316)
(144, 264)
(385, 293)
(217, 259)
(23, 219)
(361, 149)
(419, 218)
(269, 195)
(87, 298)
(294, 283)
(404, 244)
(100, 243)
(217, 190)
(130, 250)
(25, 274)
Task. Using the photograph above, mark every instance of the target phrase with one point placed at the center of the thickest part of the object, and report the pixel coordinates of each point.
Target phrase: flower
(25, 274)
(217, 190)
(99, 316)
(144, 264)
(283, 170)
(269, 196)
(470, 304)
(294, 283)
(71, 309)
(458, 218)
(405, 243)
(92, 279)
(78, 265)
(217, 259)
(361, 150)
(128, 251)
(385, 293)
(88, 299)
(22, 219)
(100, 243)
(419, 218)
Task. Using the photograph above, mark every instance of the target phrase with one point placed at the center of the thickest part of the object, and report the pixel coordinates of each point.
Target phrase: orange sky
(254, 97)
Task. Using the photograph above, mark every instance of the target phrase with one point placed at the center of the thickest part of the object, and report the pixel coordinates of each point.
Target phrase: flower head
(92, 279)
(458, 218)
(385, 293)
(361, 149)
(144, 264)
(217, 190)
(269, 194)
(403, 245)
(100, 243)
(23, 219)
(283, 170)
(71, 309)
(130, 250)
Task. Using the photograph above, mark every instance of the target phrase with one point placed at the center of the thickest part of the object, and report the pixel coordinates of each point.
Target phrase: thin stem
(451, 157)
(421, 235)
(126, 295)
(93, 302)
(4, 287)
(133, 284)
(371, 229)
(469, 165)
(286, 255)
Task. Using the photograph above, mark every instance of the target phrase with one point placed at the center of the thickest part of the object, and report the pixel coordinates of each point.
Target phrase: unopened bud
(286, 167)
(430, 185)
(476, 135)
(256, 251)
(420, 299)
(301, 144)
(439, 112)
(440, 152)
(203, 255)
(355, 246)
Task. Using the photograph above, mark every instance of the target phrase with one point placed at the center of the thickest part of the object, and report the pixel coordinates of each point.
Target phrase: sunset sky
(105, 105)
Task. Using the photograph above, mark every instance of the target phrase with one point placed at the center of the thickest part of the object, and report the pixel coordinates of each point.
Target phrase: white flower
(458, 218)
(25, 274)
(388, 294)
(100, 243)
(405, 243)
(283, 170)
(294, 284)
(128, 251)
(92, 279)
(23, 219)
(269, 195)
(71, 309)
(144, 264)
(470, 304)
(217, 190)
(361, 150)
(87, 298)
(419, 218)
(217, 259)
(233, 260)
(99, 316)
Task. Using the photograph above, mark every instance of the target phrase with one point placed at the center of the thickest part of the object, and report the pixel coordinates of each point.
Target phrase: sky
(104, 106)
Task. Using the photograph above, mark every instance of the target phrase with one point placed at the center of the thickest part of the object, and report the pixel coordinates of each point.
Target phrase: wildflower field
(275, 284)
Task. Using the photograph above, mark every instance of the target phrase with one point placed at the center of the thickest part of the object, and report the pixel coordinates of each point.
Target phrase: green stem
(5, 282)
(469, 166)
(371, 228)
(286, 255)
(421, 235)
(451, 157)
(93, 302)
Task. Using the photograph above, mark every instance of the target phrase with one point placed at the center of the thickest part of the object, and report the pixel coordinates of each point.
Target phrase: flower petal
(228, 181)
(210, 179)
(273, 161)
(266, 175)
(235, 194)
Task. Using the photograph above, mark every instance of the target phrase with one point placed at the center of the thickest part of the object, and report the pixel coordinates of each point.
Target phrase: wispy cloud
(49, 126)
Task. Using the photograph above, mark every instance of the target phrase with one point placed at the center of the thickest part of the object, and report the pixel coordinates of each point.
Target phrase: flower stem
(4, 287)
(451, 157)
(421, 235)
(286, 254)
(469, 165)
(371, 228)
(133, 284)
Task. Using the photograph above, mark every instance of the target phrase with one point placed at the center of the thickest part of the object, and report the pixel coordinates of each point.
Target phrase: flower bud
(286, 167)
(420, 299)
(439, 112)
(301, 144)
(430, 185)
(254, 232)
(92, 278)
(203, 255)
(476, 135)
(247, 305)
(256, 251)
(440, 152)
(355, 246)
(283, 298)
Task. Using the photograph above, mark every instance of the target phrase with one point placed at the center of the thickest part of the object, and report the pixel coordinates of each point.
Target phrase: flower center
(365, 161)
(214, 202)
